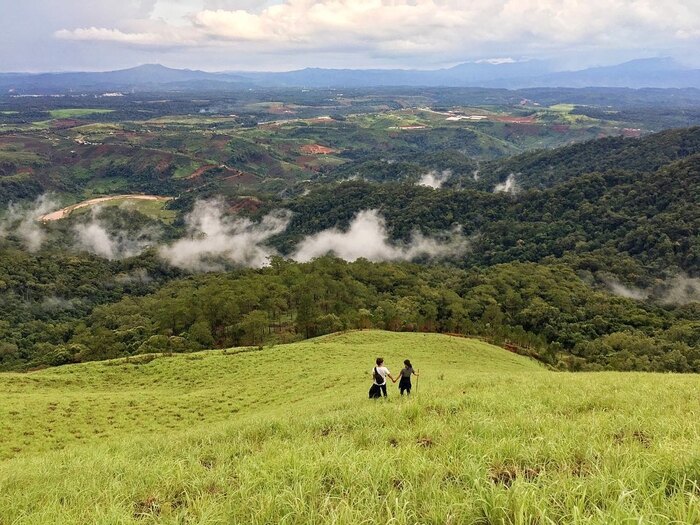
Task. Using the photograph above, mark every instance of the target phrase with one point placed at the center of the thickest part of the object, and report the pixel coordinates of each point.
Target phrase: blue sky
(60, 35)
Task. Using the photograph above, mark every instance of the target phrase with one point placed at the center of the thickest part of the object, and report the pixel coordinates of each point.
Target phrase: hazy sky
(58, 35)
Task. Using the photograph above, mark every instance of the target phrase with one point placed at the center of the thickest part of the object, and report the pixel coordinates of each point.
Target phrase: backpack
(378, 379)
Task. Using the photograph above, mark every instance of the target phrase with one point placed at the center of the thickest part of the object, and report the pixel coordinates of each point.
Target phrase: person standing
(379, 375)
(406, 372)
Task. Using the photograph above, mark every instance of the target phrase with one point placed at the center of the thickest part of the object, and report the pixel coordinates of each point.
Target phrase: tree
(254, 325)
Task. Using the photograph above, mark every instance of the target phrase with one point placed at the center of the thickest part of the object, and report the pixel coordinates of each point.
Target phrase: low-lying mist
(367, 237)
(22, 222)
(510, 185)
(677, 290)
(214, 239)
(94, 236)
(435, 179)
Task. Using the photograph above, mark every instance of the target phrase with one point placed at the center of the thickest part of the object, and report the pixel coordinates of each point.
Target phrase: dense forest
(546, 310)
(652, 218)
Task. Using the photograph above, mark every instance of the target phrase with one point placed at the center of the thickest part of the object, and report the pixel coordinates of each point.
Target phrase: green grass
(77, 112)
(286, 435)
(22, 157)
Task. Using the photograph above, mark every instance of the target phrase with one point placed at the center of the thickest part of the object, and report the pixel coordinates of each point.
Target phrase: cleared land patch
(65, 212)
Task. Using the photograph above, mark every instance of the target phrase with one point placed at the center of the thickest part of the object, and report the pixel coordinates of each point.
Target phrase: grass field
(77, 112)
(286, 435)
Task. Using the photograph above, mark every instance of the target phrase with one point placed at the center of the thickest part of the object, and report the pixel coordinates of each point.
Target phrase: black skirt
(405, 384)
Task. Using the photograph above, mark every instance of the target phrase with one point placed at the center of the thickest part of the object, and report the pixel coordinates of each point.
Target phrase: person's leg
(383, 388)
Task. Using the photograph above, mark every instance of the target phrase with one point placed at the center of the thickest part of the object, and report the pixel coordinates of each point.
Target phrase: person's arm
(392, 378)
(415, 373)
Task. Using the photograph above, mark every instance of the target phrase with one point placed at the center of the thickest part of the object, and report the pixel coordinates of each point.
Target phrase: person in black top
(405, 375)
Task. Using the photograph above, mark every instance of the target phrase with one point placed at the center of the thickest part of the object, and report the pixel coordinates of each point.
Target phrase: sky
(275, 35)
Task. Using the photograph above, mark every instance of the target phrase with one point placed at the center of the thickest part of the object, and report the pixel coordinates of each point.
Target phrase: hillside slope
(546, 168)
(287, 435)
(95, 401)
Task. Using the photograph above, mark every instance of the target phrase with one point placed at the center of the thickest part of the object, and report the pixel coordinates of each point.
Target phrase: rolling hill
(286, 435)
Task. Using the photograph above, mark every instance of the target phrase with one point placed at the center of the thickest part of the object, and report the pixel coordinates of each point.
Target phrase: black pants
(405, 385)
(377, 391)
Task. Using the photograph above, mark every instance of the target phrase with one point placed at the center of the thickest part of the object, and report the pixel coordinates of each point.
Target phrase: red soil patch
(27, 170)
(239, 176)
(66, 123)
(316, 149)
(281, 110)
(199, 172)
(632, 133)
(249, 204)
(164, 163)
(319, 120)
(560, 128)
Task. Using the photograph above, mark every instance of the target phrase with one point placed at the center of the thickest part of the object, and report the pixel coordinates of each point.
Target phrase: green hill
(286, 435)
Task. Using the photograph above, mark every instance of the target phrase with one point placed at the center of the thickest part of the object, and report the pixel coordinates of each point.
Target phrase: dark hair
(408, 363)
(380, 360)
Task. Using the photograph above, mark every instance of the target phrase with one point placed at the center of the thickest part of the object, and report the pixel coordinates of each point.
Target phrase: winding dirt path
(65, 212)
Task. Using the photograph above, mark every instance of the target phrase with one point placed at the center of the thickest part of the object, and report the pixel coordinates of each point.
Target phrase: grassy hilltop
(286, 435)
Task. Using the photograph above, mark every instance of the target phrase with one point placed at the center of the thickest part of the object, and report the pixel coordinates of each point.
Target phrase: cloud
(681, 289)
(435, 179)
(629, 292)
(94, 237)
(409, 27)
(111, 35)
(54, 303)
(22, 222)
(509, 186)
(677, 290)
(214, 239)
(367, 237)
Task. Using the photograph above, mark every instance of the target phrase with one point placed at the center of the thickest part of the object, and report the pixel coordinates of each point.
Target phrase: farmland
(169, 146)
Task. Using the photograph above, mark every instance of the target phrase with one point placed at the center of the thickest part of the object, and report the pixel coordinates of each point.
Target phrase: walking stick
(417, 376)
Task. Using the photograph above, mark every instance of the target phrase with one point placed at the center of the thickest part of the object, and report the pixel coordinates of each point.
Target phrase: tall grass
(286, 435)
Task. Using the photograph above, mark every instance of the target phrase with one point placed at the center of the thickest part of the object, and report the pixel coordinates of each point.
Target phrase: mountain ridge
(661, 72)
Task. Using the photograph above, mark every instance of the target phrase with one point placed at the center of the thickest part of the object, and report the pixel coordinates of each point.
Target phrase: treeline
(544, 310)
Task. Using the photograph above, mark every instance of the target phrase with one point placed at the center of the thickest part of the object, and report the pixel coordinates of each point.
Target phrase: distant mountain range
(643, 73)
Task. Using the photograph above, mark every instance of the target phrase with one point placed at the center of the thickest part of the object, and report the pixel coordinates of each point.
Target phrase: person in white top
(379, 375)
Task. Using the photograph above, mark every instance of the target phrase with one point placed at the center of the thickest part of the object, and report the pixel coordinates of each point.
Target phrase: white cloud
(214, 239)
(679, 290)
(22, 221)
(367, 237)
(409, 26)
(629, 292)
(112, 35)
(94, 236)
(509, 186)
(435, 179)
